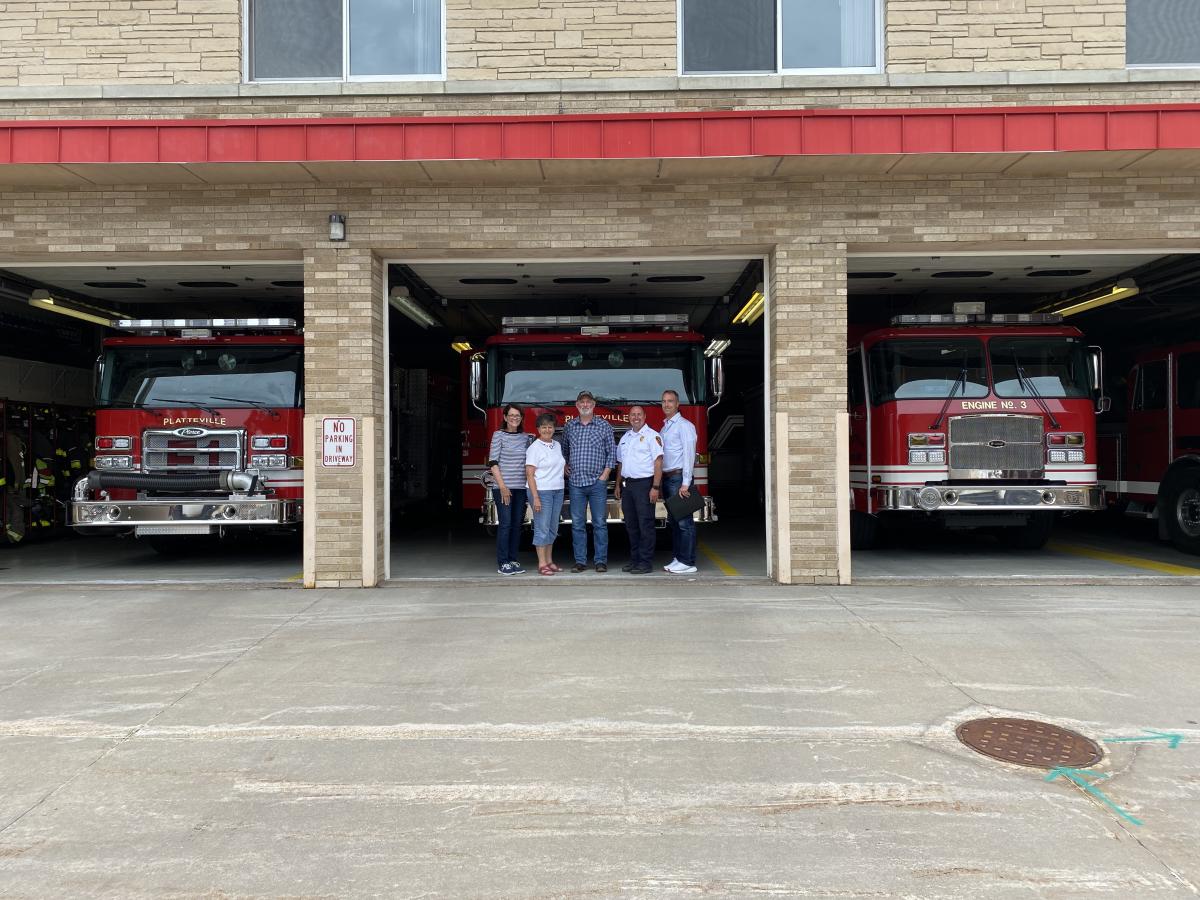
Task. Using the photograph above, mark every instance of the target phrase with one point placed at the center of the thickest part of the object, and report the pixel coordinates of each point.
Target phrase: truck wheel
(1031, 536)
(864, 530)
(1180, 509)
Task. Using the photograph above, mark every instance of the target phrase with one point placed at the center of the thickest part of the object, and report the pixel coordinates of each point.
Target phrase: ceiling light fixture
(400, 301)
(42, 299)
(1121, 290)
(460, 345)
(749, 313)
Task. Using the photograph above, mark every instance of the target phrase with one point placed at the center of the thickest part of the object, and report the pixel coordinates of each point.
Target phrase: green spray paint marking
(1080, 777)
(1149, 735)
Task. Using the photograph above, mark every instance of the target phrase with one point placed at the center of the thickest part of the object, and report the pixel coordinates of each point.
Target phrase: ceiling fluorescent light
(1123, 289)
(753, 308)
(462, 345)
(717, 346)
(400, 300)
(41, 299)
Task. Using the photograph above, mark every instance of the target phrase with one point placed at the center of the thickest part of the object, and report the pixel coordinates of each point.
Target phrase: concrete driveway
(550, 739)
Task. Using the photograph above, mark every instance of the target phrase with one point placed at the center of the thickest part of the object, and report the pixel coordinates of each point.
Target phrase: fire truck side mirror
(1096, 371)
(97, 378)
(716, 379)
(476, 375)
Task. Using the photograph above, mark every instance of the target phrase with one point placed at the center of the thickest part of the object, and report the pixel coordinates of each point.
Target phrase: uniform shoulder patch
(659, 439)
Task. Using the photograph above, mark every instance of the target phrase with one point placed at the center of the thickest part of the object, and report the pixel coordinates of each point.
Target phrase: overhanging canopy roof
(588, 148)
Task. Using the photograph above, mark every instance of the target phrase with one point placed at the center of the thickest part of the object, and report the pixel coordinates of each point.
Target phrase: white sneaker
(682, 569)
(673, 562)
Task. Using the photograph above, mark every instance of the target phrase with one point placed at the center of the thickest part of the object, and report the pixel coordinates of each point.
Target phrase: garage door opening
(1022, 415)
(205, 354)
(468, 337)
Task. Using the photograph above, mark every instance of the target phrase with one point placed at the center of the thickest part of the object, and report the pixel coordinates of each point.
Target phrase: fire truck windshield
(201, 376)
(926, 369)
(629, 372)
(1039, 366)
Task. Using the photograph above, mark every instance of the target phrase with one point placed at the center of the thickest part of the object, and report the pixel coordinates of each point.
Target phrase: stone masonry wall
(110, 42)
(82, 42)
(1004, 35)
(807, 225)
(521, 39)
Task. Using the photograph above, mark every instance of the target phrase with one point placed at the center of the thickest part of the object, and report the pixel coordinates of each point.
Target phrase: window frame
(880, 29)
(345, 77)
(1152, 66)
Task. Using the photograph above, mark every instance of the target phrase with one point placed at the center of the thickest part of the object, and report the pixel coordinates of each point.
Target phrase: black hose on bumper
(217, 481)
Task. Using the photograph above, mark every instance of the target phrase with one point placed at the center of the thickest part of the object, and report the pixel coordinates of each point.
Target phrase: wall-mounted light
(400, 301)
(753, 307)
(460, 345)
(1122, 290)
(717, 346)
(337, 227)
(42, 299)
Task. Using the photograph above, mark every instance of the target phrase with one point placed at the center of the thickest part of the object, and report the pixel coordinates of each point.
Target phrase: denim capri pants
(545, 523)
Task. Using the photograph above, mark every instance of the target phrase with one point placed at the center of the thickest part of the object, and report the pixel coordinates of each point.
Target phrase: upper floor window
(1162, 33)
(312, 40)
(768, 36)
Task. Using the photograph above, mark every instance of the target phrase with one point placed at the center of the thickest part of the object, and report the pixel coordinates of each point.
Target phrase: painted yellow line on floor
(1121, 559)
(295, 577)
(717, 560)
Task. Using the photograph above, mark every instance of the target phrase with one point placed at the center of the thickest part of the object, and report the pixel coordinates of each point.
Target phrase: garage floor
(1081, 550)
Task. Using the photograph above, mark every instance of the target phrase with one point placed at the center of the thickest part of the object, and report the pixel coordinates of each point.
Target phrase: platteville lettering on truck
(541, 363)
(199, 426)
(1151, 466)
(969, 421)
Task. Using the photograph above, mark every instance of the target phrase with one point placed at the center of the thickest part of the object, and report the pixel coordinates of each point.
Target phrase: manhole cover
(1028, 742)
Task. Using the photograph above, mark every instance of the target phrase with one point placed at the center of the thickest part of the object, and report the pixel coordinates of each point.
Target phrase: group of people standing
(539, 470)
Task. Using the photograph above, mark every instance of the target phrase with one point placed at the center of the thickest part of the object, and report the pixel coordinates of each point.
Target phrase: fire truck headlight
(114, 462)
(918, 457)
(260, 443)
(1074, 456)
(937, 456)
(1058, 456)
(268, 461)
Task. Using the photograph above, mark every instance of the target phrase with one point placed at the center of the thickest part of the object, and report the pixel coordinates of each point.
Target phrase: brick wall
(1004, 35)
(521, 39)
(107, 42)
(82, 42)
(808, 224)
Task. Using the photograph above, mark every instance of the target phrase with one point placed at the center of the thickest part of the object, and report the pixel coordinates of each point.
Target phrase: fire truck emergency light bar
(161, 324)
(974, 319)
(593, 324)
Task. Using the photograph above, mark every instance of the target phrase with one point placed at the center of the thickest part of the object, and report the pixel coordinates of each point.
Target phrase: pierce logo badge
(189, 432)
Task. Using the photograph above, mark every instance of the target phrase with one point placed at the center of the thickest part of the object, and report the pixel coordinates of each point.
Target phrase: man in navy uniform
(639, 485)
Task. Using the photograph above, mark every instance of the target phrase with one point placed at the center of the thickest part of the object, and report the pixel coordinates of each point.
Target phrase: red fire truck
(976, 421)
(542, 363)
(198, 430)
(1152, 467)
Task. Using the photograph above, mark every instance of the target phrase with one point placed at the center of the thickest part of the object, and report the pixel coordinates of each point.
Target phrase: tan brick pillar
(343, 377)
(807, 374)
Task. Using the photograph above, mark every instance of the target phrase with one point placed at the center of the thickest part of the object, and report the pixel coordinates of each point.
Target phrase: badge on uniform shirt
(641, 437)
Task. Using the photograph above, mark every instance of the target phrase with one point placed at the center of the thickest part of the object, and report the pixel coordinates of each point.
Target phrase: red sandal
(546, 570)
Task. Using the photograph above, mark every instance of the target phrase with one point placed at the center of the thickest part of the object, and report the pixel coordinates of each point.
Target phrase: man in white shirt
(679, 458)
(639, 484)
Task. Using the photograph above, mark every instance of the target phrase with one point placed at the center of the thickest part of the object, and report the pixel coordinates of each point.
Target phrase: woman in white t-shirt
(544, 466)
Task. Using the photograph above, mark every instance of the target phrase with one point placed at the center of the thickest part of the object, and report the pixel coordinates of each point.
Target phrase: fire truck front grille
(207, 451)
(981, 446)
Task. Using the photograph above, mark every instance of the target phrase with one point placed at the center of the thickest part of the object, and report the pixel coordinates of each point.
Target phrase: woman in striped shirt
(506, 459)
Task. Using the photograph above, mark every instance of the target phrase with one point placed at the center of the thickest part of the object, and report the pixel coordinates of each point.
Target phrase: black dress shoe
(628, 567)
(640, 570)
(601, 568)
(579, 567)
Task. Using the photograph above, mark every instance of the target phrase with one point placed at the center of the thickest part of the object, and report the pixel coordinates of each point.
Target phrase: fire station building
(833, 155)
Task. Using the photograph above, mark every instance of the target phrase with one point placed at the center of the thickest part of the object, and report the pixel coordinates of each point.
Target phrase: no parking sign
(337, 442)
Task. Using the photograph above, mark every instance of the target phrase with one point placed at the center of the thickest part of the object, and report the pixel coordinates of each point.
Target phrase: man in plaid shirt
(590, 449)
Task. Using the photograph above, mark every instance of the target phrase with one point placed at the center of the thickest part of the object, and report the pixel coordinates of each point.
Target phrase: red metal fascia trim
(667, 135)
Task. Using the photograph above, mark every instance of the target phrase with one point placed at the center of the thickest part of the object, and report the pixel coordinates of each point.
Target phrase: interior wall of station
(806, 227)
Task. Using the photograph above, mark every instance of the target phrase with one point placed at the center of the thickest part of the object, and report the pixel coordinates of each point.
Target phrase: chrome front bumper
(612, 513)
(985, 498)
(183, 516)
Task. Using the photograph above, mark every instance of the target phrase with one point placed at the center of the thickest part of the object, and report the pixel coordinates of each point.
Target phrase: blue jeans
(683, 534)
(595, 495)
(545, 523)
(508, 527)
